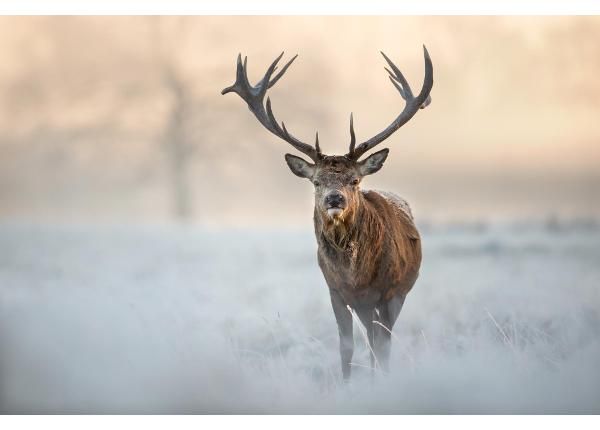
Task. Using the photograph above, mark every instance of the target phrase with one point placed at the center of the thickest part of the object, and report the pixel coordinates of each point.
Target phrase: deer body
(369, 248)
(370, 260)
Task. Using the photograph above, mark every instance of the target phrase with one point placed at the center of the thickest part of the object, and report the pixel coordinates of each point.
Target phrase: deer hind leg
(394, 306)
(344, 322)
(383, 337)
(367, 316)
(388, 313)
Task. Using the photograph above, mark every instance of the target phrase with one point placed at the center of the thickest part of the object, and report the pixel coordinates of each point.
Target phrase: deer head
(336, 178)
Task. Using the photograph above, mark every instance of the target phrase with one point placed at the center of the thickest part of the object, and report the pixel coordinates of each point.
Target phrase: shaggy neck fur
(372, 239)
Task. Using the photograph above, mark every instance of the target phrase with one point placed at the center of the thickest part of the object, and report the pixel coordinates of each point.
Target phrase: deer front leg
(344, 322)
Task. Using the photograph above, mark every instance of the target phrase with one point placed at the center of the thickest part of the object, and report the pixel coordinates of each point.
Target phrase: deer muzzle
(335, 203)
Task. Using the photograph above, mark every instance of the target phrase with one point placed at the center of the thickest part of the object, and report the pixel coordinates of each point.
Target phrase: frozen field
(504, 319)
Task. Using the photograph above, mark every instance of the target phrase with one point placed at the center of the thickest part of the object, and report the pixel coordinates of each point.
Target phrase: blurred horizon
(120, 119)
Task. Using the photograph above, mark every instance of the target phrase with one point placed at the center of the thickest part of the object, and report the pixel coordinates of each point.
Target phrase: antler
(254, 96)
(413, 104)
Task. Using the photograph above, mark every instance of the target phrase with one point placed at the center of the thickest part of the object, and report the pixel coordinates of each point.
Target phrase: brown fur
(376, 247)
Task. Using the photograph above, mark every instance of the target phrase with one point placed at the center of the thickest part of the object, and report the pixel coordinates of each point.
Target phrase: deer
(369, 248)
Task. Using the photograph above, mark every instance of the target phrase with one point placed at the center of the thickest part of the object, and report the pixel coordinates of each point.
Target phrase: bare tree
(175, 140)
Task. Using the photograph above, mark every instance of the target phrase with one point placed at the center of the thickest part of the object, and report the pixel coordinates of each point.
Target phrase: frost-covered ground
(504, 319)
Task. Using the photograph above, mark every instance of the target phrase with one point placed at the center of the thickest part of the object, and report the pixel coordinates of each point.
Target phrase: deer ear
(299, 166)
(373, 162)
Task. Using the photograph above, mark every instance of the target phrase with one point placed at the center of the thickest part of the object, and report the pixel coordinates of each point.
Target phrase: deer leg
(383, 337)
(394, 307)
(388, 313)
(344, 322)
(367, 316)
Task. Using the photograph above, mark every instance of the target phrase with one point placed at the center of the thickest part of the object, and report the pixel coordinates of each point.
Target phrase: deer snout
(335, 199)
(335, 203)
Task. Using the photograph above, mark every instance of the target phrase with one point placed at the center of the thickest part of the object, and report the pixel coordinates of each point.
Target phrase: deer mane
(376, 238)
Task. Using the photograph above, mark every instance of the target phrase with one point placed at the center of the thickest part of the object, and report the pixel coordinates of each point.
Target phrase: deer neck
(338, 236)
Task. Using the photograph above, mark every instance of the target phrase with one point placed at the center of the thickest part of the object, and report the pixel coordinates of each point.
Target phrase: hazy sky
(87, 112)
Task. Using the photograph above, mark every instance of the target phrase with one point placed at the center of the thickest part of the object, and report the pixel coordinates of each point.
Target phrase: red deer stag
(369, 248)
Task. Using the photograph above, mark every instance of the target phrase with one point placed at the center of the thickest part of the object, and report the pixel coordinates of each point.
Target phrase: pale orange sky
(513, 129)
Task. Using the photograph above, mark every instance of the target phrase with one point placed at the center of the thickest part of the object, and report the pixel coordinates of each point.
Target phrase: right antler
(254, 96)
(413, 104)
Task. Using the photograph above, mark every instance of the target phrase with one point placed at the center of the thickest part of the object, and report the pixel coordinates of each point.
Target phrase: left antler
(254, 96)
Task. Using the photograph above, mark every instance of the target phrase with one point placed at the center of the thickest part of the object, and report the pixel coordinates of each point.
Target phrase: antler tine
(397, 85)
(413, 104)
(282, 71)
(264, 84)
(427, 80)
(254, 97)
(352, 135)
(317, 147)
(245, 70)
(398, 77)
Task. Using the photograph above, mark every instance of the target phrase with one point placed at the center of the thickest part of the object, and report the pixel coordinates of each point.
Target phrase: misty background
(121, 118)
(157, 255)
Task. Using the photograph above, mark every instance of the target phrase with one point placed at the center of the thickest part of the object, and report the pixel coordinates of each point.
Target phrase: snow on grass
(503, 319)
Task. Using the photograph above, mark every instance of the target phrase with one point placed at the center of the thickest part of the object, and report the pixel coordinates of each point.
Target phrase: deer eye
(316, 183)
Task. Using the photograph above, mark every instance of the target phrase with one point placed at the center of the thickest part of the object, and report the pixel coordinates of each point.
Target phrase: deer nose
(335, 199)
